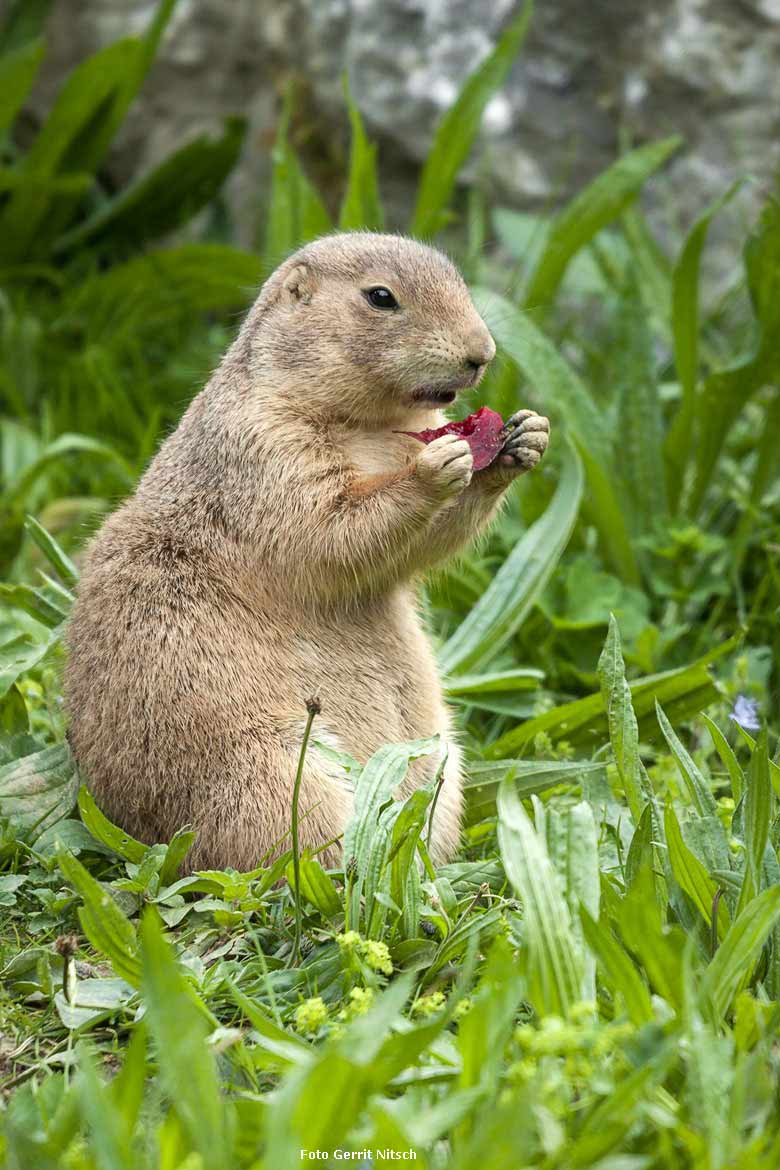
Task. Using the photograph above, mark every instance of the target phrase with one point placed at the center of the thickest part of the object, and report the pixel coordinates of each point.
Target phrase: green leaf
(572, 844)
(621, 721)
(583, 722)
(75, 137)
(366, 836)
(554, 966)
(757, 817)
(179, 1028)
(504, 691)
(96, 1000)
(33, 601)
(361, 208)
(18, 657)
(104, 924)
(692, 875)
(774, 769)
(725, 393)
(524, 678)
(404, 879)
(710, 1082)
(101, 828)
(60, 560)
(685, 330)
(108, 1136)
(542, 363)
(658, 947)
(484, 1030)
(503, 607)
(177, 849)
(529, 778)
(285, 1048)
(127, 1087)
(317, 887)
(14, 717)
(619, 970)
(168, 286)
(595, 207)
(726, 753)
(18, 71)
(639, 427)
(740, 949)
(296, 212)
(165, 199)
(316, 1105)
(39, 790)
(66, 444)
(25, 21)
(698, 789)
(459, 127)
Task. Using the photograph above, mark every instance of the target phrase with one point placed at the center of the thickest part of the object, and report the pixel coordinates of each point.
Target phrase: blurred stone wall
(589, 73)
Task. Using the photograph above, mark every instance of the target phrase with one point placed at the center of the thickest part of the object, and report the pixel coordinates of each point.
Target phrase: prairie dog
(269, 554)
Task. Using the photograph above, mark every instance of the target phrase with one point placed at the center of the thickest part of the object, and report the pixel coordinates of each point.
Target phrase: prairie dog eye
(380, 298)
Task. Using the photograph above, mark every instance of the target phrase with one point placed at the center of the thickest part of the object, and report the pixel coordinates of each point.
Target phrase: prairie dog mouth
(441, 393)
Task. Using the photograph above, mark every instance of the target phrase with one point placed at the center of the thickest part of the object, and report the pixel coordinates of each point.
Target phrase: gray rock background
(590, 72)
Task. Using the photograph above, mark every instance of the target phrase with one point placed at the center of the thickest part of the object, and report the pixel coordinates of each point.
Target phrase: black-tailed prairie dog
(270, 552)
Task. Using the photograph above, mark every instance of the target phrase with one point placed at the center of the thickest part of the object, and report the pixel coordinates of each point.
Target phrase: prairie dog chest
(378, 452)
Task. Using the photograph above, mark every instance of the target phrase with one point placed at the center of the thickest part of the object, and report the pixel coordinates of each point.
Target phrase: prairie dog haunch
(269, 554)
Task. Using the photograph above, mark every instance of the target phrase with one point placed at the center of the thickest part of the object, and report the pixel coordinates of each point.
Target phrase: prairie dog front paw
(446, 465)
(528, 434)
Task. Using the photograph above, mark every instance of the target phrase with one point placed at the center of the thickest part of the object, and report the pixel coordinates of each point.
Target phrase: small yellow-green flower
(429, 1005)
(360, 999)
(377, 956)
(310, 1015)
(349, 941)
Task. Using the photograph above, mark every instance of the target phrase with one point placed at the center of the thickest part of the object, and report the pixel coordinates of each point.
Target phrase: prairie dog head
(367, 329)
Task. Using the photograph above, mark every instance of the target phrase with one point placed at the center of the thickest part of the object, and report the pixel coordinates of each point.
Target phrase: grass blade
(501, 610)
(296, 212)
(103, 922)
(740, 949)
(361, 207)
(101, 828)
(18, 71)
(458, 128)
(555, 968)
(180, 1029)
(594, 208)
(692, 876)
(726, 392)
(621, 720)
(685, 331)
(726, 753)
(62, 563)
(620, 971)
(165, 198)
(583, 722)
(757, 818)
(698, 789)
(529, 778)
(544, 366)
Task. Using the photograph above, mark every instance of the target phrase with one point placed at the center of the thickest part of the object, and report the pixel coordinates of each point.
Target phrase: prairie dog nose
(480, 349)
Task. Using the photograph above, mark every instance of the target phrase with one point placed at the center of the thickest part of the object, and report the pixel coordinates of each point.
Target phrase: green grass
(595, 981)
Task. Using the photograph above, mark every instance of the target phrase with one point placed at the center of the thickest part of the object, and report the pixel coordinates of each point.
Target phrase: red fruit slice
(483, 431)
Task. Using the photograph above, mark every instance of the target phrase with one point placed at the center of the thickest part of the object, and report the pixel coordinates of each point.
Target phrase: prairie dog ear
(300, 283)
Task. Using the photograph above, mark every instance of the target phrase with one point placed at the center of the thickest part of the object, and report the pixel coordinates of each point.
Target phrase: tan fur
(268, 555)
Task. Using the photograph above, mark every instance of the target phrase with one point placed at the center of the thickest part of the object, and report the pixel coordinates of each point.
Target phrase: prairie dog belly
(375, 675)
